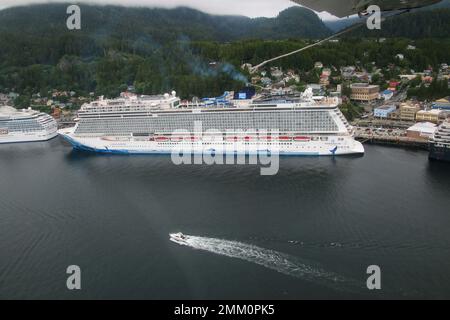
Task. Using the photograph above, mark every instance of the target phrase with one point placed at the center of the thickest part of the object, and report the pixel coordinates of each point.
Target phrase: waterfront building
(384, 111)
(408, 111)
(394, 115)
(442, 104)
(421, 130)
(364, 92)
(429, 115)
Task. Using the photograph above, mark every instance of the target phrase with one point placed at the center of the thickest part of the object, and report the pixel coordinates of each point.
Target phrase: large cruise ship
(162, 125)
(440, 143)
(25, 125)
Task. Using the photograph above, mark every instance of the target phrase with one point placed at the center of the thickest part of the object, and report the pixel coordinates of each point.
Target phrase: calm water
(309, 232)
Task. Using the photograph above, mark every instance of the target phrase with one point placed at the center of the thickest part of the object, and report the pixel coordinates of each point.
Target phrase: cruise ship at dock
(162, 125)
(440, 143)
(25, 125)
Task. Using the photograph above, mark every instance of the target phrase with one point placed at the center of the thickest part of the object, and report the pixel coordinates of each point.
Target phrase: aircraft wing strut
(338, 8)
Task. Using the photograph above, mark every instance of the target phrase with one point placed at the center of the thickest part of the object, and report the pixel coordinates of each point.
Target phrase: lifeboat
(232, 139)
(266, 138)
(161, 139)
(176, 139)
(302, 139)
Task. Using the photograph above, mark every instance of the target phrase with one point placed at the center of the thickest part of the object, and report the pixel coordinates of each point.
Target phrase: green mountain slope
(415, 25)
(41, 30)
(164, 24)
(158, 50)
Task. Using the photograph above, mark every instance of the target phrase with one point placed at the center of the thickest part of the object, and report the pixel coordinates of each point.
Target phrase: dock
(407, 142)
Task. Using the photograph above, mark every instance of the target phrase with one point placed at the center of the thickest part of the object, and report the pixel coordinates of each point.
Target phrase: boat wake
(274, 260)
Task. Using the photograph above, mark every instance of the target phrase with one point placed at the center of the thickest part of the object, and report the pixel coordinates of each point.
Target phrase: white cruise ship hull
(27, 137)
(128, 145)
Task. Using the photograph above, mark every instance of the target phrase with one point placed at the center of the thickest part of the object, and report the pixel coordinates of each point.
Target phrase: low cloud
(251, 8)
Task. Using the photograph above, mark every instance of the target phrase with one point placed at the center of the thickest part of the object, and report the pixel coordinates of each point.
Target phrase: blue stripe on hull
(78, 146)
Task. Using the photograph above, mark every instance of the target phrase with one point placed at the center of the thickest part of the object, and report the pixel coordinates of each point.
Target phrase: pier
(393, 141)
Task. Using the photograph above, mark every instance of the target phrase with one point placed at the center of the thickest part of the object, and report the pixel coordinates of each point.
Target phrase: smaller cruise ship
(440, 143)
(25, 125)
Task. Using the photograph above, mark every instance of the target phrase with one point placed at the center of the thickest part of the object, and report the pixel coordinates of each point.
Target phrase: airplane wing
(338, 8)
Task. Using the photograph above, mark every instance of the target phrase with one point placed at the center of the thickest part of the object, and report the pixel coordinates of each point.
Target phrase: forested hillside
(197, 54)
(415, 25)
(119, 46)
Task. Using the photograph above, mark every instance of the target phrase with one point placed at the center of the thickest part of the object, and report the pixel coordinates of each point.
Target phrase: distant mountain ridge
(156, 25)
(163, 24)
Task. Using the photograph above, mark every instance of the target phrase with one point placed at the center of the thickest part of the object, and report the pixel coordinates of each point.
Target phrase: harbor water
(311, 231)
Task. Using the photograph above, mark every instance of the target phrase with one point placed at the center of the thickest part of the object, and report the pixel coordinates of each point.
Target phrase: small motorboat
(179, 238)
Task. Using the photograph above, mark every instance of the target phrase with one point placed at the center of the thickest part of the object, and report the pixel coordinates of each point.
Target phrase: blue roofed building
(384, 111)
(387, 94)
(245, 94)
(442, 104)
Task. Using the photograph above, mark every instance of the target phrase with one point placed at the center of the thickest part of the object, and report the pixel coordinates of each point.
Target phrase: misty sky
(251, 8)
